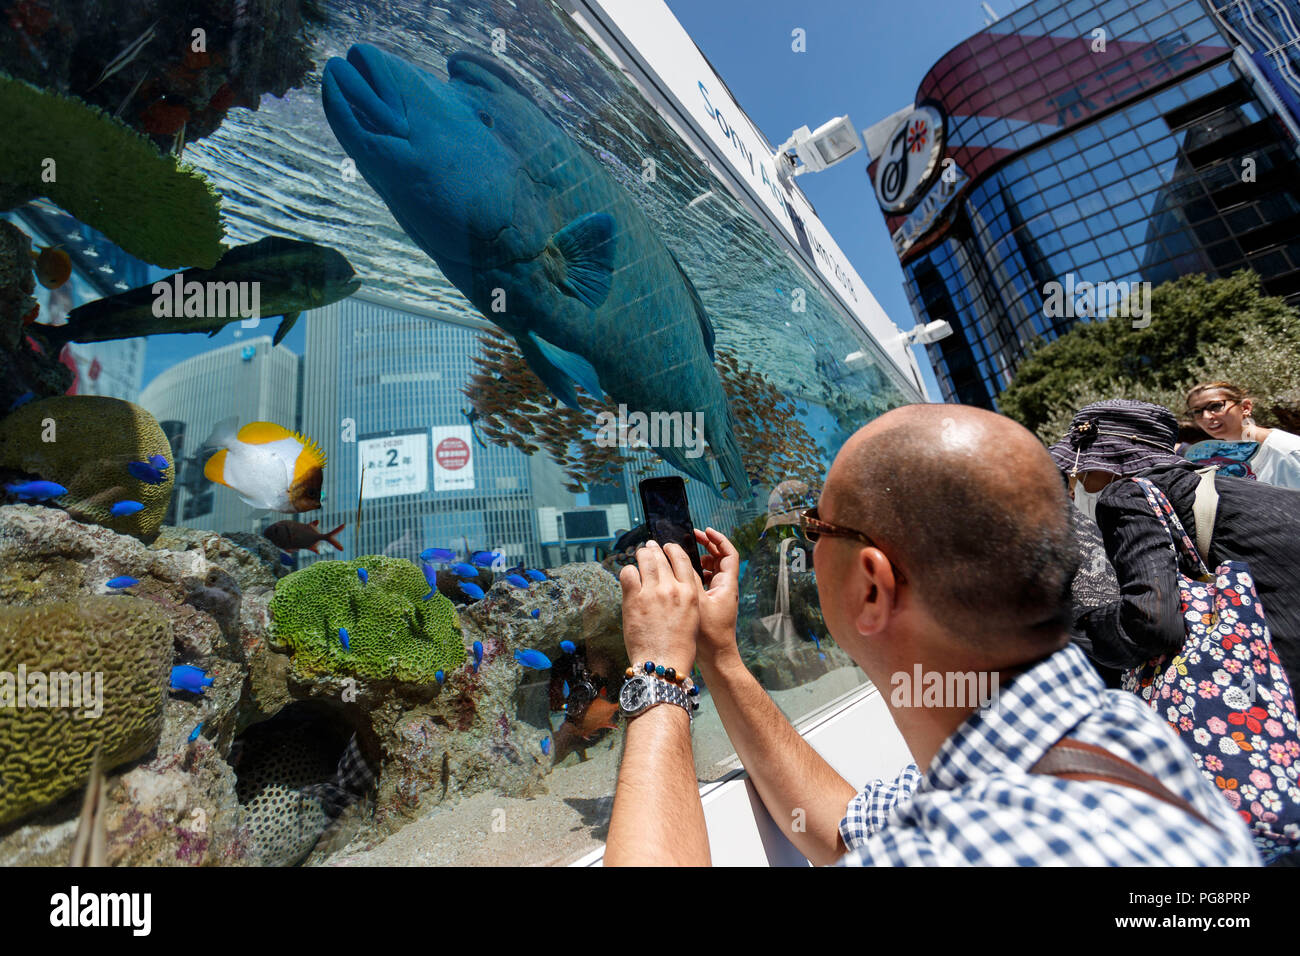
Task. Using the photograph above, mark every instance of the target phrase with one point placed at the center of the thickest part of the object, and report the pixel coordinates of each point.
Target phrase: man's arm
(658, 819)
(801, 791)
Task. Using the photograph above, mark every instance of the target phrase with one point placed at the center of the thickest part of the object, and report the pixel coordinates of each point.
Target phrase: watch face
(635, 694)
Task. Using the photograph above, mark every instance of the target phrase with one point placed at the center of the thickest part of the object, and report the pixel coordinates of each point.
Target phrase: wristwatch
(643, 691)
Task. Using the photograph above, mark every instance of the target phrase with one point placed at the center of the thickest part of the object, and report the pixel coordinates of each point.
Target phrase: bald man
(942, 542)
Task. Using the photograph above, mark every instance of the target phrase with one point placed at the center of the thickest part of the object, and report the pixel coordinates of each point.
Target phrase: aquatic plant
(106, 175)
(85, 443)
(392, 631)
(512, 408)
(46, 751)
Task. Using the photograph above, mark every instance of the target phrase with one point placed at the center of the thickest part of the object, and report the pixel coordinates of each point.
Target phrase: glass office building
(1100, 141)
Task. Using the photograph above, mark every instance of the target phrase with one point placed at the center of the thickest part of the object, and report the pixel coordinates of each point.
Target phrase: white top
(1278, 459)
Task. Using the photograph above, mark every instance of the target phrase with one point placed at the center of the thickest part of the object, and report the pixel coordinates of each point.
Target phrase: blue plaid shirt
(978, 804)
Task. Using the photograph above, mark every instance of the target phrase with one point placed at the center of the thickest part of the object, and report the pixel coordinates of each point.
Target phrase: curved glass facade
(1099, 142)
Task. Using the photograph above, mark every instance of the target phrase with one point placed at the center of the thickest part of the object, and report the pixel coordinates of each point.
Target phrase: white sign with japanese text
(453, 458)
(394, 465)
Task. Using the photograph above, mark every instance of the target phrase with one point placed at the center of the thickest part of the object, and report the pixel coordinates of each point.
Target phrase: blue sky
(864, 58)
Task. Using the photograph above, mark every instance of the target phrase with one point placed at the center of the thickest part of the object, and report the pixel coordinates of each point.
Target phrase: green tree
(1200, 330)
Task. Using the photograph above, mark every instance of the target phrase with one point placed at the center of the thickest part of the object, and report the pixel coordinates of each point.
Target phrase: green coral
(106, 175)
(46, 751)
(392, 631)
(94, 438)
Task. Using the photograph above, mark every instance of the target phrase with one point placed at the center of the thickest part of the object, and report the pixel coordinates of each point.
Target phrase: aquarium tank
(337, 339)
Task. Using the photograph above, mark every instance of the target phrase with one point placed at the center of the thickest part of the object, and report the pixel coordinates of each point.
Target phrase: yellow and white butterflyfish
(269, 466)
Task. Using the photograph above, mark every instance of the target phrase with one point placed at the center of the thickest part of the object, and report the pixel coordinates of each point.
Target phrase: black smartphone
(668, 516)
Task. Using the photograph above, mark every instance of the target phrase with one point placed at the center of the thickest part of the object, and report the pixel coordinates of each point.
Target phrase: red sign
(95, 369)
(452, 454)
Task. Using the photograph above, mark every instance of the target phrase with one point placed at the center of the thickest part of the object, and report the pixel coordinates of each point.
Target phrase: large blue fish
(437, 554)
(464, 570)
(503, 200)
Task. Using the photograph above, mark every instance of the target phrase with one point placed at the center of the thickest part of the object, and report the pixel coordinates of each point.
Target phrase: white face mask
(1086, 501)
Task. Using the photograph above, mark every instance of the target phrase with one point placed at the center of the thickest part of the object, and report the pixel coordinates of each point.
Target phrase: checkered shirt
(979, 805)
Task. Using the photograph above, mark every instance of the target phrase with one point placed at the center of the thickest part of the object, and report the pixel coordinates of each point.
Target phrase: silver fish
(133, 50)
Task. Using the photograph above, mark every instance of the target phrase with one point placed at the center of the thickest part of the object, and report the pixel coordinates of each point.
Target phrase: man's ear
(879, 603)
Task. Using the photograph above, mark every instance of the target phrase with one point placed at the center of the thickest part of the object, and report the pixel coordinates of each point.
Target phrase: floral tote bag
(1226, 694)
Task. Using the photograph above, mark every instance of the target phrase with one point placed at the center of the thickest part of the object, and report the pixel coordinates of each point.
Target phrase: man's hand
(720, 603)
(661, 607)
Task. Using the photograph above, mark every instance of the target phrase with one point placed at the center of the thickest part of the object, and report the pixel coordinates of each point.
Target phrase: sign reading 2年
(396, 463)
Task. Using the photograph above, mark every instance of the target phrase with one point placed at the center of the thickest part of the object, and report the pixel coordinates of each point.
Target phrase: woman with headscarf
(1109, 442)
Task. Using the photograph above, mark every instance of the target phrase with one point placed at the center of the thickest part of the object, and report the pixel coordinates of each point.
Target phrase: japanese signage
(395, 464)
(453, 458)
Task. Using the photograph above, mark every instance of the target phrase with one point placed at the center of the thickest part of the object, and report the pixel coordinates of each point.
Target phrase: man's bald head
(969, 505)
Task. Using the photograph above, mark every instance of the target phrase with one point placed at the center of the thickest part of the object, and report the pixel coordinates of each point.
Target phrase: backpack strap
(1075, 760)
(1204, 510)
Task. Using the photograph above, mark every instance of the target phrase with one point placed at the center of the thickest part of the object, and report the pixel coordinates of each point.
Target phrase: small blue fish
(534, 575)
(343, 638)
(22, 400)
(36, 490)
(566, 689)
(518, 581)
(470, 590)
(361, 573)
(286, 560)
(536, 612)
(478, 655)
(534, 659)
(145, 472)
(437, 554)
(123, 581)
(439, 676)
(431, 578)
(816, 640)
(546, 746)
(190, 678)
(159, 462)
(485, 559)
(568, 647)
(194, 734)
(464, 570)
(126, 507)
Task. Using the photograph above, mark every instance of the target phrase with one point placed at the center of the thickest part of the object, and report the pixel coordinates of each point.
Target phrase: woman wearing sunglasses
(1224, 412)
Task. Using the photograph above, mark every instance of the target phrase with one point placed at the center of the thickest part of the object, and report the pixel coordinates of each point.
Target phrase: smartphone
(668, 516)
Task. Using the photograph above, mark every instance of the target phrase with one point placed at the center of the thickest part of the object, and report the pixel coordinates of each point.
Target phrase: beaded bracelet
(650, 668)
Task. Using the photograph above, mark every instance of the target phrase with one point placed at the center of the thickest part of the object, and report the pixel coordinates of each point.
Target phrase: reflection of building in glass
(249, 379)
(1113, 162)
(114, 369)
(382, 385)
(375, 371)
(1269, 32)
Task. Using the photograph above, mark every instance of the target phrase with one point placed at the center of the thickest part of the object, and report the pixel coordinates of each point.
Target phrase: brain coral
(94, 439)
(392, 631)
(46, 750)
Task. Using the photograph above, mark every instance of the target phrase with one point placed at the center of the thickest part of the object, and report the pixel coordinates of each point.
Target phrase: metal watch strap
(664, 692)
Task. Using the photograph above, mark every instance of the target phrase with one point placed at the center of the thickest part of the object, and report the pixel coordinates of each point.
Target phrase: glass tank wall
(338, 337)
